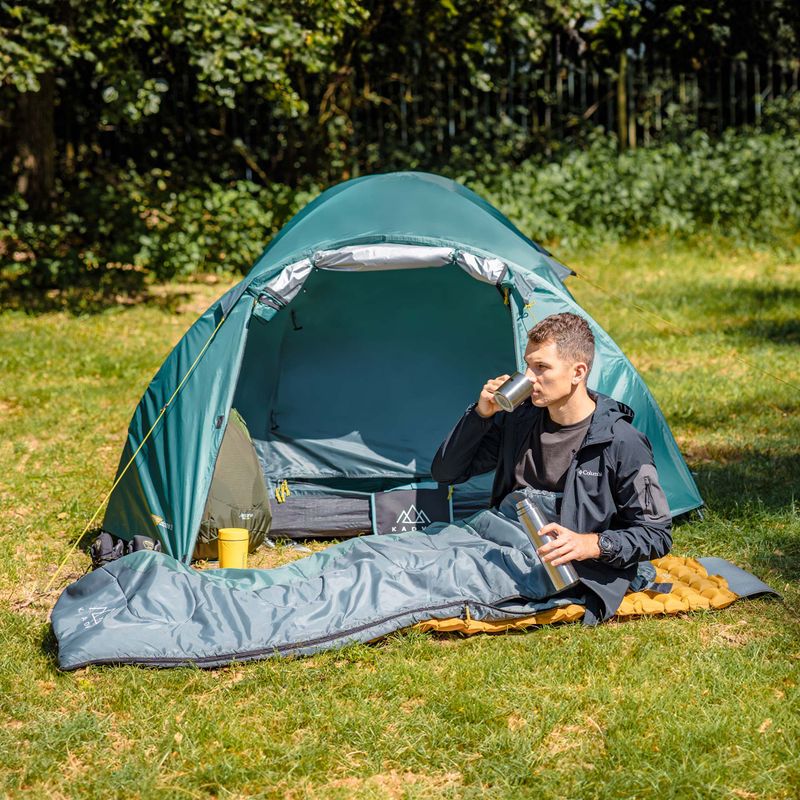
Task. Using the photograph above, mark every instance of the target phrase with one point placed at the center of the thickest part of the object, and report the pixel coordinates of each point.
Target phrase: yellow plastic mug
(232, 544)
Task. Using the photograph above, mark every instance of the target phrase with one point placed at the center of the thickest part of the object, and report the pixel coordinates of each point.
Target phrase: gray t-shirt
(547, 457)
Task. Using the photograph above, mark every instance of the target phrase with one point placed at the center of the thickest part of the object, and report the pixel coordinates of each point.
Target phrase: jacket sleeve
(471, 448)
(643, 523)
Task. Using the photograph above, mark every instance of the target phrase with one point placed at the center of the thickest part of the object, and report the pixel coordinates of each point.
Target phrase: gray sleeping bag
(148, 608)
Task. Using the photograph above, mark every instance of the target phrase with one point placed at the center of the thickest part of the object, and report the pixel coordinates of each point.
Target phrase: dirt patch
(697, 453)
(9, 408)
(755, 264)
(735, 634)
(392, 785)
(564, 738)
(726, 365)
(411, 705)
(118, 743)
(270, 557)
(515, 722)
(586, 736)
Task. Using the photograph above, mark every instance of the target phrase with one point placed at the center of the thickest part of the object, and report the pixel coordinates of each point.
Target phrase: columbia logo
(589, 473)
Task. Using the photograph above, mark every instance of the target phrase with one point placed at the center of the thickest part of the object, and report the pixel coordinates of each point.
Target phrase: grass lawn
(694, 706)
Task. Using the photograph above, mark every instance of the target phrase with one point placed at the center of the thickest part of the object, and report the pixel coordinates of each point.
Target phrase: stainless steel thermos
(510, 394)
(533, 521)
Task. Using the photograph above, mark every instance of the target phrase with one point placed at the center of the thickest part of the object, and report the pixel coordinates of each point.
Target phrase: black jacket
(611, 487)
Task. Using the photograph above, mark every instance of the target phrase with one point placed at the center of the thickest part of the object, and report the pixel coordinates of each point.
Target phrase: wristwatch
(607, 547)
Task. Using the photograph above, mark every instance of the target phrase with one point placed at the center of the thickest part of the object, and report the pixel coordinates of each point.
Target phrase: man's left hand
(568, 545)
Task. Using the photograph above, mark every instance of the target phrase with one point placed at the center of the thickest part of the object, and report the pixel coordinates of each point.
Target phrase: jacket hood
(606, 415)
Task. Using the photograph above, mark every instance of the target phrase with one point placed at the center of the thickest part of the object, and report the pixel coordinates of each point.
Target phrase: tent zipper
(272, 300)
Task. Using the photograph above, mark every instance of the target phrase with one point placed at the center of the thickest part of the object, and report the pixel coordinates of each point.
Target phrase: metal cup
(513, 392)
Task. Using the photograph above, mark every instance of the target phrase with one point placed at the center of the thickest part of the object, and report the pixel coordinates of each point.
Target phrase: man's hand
(486, 405)
(568, 545)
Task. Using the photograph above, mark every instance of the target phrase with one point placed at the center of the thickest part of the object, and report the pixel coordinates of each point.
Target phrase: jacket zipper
(648, 496)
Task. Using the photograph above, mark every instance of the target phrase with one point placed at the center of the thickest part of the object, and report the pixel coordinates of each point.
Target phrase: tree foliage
(113, 113)
(700, 31)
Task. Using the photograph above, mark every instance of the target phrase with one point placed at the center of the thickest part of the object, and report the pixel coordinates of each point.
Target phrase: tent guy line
(642, 311)
(133, 457)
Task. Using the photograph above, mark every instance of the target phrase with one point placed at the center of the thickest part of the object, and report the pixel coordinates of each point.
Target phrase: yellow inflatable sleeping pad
(692, 588)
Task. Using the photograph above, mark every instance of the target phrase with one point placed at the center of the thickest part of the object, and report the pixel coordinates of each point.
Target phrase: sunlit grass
(700, 705)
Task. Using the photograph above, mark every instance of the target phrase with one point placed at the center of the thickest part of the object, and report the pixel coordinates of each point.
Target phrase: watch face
(605, 545)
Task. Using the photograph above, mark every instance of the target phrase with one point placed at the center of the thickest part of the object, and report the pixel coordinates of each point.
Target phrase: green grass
(703, 705)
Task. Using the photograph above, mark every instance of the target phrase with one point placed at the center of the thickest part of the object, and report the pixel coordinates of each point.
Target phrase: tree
(110, 65)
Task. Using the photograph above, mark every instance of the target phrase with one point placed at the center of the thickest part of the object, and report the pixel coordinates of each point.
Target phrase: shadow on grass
(85, 541)
(782, 333)
(757, 495)
(717, 300)
(741, 478)
(712, 413)
(744, 312)
(49, 646)
(93, 294)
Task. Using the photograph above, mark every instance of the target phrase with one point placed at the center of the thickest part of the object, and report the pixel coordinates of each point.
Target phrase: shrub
(137, 221)
(743, 186)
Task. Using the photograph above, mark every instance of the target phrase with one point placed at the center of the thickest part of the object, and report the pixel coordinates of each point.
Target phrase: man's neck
(573, 408)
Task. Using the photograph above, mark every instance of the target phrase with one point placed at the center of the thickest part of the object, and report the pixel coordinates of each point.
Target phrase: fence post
(548, 109)
(757, 93)
(622, 101)
(743, 84)
(631, 109)
(559, 89)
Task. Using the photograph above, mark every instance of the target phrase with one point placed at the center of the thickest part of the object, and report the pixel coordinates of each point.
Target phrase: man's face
(551, 375)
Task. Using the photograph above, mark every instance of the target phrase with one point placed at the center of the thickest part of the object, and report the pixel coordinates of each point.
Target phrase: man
(576, 450)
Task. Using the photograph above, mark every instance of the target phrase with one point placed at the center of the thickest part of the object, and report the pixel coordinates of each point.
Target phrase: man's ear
(579, 372)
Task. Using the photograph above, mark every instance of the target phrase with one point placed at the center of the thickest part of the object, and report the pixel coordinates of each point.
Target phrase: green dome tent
(349, 350)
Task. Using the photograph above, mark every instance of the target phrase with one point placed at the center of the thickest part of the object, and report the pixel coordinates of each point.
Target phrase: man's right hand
(486, 405)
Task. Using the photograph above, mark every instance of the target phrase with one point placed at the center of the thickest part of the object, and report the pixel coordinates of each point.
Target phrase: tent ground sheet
(480, 574)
